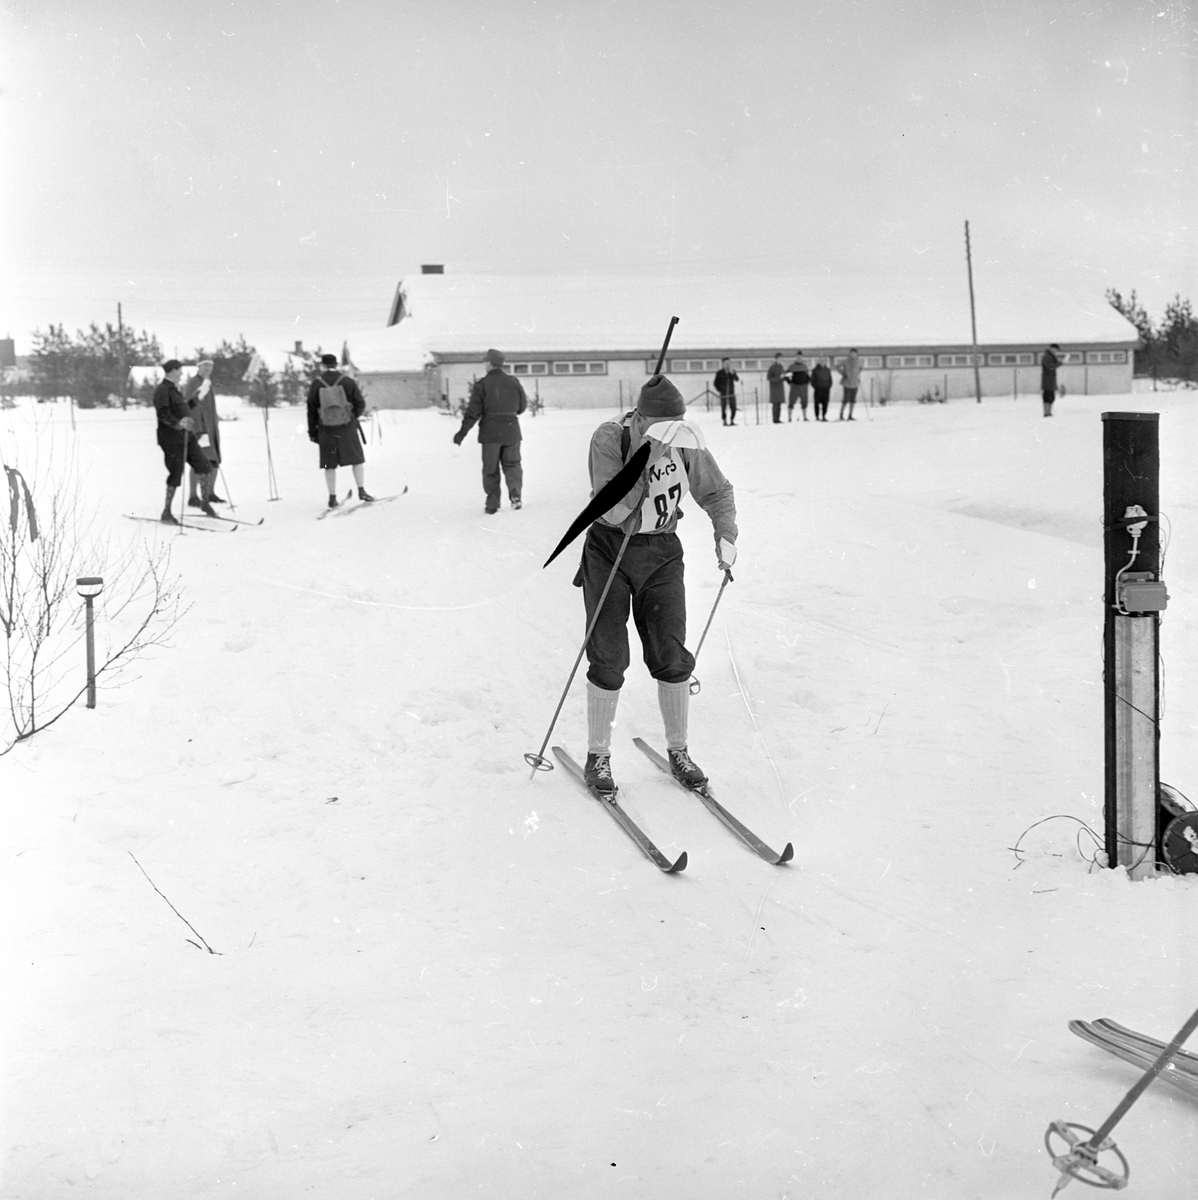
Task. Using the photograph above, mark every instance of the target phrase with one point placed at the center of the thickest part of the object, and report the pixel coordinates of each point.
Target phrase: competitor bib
(667, 485)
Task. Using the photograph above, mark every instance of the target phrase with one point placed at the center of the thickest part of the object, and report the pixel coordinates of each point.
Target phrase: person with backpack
(821, 387)
(496, 402)
(335, 403)
(649, 577)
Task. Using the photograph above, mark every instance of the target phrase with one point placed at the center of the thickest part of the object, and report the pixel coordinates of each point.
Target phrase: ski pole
(538, 761)
(694, 686)
(270, 462)
(1082, 1158)
(182, 489)
(225, 484)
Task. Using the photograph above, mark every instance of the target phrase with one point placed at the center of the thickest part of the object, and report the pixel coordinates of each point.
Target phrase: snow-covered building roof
(464, 314)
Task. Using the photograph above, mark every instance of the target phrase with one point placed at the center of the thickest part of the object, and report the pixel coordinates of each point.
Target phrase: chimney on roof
(299, 347)
(432, 268)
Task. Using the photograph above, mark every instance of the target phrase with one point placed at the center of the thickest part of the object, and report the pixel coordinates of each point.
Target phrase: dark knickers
(650, 583)
(174, 455)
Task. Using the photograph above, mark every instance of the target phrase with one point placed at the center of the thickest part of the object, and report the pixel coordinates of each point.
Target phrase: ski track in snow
(432, 972)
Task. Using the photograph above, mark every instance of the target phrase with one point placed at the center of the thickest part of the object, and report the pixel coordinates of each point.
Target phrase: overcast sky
(273, 168)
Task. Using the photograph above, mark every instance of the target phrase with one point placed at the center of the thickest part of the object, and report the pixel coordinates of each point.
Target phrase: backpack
(334, 405)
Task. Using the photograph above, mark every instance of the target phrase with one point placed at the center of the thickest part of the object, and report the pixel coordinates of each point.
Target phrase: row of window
(565, 367)
(869, 362)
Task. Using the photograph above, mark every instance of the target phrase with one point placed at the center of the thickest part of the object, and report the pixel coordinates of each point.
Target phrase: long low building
(591, 342)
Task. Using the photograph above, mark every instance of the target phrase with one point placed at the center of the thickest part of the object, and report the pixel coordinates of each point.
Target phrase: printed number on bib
(667, 485)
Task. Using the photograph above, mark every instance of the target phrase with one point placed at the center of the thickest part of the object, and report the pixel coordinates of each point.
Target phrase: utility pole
(1134, 597)
(973, 318)
(120, 326)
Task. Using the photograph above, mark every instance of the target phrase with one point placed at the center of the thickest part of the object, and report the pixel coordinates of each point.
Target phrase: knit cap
(660, 399)
(495, 358)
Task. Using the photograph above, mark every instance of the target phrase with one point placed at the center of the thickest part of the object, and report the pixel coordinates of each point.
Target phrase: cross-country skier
(176, 430)
(649, 579)
(335, 403)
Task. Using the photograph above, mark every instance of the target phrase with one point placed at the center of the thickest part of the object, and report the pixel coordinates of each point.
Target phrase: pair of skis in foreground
(659, 860)
(346, 507)
(1141, 1051)
(191, 522)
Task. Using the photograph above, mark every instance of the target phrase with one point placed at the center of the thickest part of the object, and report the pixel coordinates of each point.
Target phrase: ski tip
(679, 864)
(786, 854)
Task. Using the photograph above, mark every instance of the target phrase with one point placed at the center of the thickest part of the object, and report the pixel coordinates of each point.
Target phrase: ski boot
(363, 494)
(168, 518)
(334, 502)
(683, 768)
(597, 774)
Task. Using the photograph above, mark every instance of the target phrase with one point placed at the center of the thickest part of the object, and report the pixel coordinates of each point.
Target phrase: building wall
(621, 378)
(399, 389)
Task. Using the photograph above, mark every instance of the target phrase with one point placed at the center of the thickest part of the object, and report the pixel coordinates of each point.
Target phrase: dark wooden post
(1131, 484)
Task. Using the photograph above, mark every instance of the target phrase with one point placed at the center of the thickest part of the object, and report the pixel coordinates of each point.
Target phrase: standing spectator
(335, 402)
(776, 376)
(850, 378)
(201, 399)
(821, 387)
(800, 377)
(649, 580)
(1049, 361)
(175, 427)
(496, 402)
(725, 385)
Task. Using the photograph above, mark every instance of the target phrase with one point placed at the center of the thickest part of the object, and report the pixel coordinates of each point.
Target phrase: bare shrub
(46, 543)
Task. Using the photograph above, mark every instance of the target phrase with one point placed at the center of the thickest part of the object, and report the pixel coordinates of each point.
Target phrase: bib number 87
(665, 503)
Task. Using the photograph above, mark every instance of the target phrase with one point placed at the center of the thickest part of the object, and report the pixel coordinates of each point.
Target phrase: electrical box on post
(1139, 592)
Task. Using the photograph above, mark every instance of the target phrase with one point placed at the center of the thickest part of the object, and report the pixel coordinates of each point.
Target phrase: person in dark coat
(335, 402)
(821, 387)
(201, 399)
(176, 429)
(496, 402)
(777, 376)
(1049, 361)
(800, 377)
(725, 386)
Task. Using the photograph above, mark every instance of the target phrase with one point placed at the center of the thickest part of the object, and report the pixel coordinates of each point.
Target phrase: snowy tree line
(93, 368)
(1169, 347)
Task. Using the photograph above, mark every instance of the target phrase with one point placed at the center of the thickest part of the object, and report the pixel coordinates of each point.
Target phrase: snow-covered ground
(437, 977)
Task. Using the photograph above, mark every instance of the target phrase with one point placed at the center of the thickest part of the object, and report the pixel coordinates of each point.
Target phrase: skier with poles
(175, 423)
(633, 553)
(335, 403)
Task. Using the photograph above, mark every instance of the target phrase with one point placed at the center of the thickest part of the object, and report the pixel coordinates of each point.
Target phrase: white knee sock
(601, 712)
(674, 699)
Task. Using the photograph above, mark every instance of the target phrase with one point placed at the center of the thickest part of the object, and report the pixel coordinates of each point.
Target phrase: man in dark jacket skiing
(176, 430)
(1050, 360)
(725, 386)
(649, 577)
(335, 402)
(496, 402)
(821, 387)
